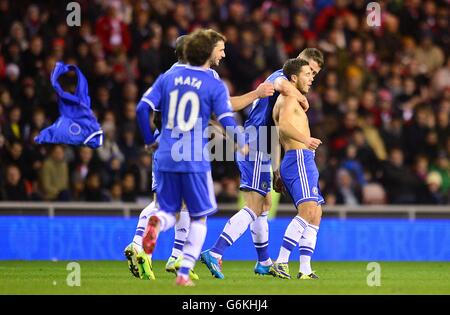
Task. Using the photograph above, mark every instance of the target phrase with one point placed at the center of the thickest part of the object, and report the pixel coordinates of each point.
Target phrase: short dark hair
(293, 67)
(215, 36)
(198, 48)
(179, 47)
(312, 54)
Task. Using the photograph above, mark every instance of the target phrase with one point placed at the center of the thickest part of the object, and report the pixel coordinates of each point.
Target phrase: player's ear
(294, 78)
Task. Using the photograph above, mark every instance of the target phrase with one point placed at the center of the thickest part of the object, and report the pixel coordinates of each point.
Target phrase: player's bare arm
(238, 103)
(276, 155)
(276, 159)
(217, 126)
(287, 89)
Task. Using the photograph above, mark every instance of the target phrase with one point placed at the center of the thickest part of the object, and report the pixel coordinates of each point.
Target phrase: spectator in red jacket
(112, 32)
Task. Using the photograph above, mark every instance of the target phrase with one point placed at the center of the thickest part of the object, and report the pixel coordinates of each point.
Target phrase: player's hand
(278, 185)
(151, 147)
(244, 150)
(303, 102)
(218, 128)
(265, 89)
(313, 143)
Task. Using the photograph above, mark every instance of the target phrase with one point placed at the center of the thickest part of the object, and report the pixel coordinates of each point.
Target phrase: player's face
(304, 80)
(218, 53)
(314, 67)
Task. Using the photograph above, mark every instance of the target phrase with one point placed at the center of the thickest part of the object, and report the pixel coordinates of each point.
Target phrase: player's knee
(317, 216)
(255, 202)
(319, 212)
(201, 220)
(255, 206)
(256, 210)
(267, 204)
(308, 211)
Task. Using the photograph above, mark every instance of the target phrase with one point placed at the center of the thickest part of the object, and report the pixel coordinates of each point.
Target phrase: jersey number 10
(179, 108)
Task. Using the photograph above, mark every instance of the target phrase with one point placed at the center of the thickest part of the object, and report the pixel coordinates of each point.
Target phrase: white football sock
(181, 232)
(193, 245)
(307, 246)
(260, 236)
(234, 228)
(291, 237)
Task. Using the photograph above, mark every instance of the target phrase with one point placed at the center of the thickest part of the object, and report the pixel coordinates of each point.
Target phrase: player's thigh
(198, 194)
(317, 215)
(254, 200)
(169, 191)
(267, 202)
(320, 201)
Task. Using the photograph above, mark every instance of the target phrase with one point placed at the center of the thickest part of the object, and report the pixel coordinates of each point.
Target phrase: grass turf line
(113, 277)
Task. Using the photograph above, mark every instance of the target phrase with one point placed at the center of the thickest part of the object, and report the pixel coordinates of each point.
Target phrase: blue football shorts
(255, 172)
(300, 176)
(195, 189)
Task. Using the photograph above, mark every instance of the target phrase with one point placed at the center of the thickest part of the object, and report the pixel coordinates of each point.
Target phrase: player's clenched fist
(244, 150)
(278, 185)
(312, 143)
(151, 148)
(265, 89)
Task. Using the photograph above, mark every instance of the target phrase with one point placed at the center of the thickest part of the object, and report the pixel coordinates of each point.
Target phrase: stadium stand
(381, 105)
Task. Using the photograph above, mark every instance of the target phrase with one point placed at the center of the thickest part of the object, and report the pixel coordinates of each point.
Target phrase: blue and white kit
(186, 98)
(255, 168)
(300, 176)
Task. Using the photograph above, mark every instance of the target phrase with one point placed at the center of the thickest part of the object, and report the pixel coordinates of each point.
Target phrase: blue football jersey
(186, 97)
(157, 90)
(77, 124)
(261, 115)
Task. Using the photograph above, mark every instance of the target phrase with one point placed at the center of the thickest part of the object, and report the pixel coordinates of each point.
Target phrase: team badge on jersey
(315, 191)
(264, 185)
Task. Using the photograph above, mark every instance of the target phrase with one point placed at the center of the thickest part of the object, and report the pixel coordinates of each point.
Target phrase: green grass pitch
(113, 277)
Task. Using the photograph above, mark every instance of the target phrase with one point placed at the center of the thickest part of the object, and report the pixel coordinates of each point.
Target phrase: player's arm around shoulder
(263, 90)
(285, 88)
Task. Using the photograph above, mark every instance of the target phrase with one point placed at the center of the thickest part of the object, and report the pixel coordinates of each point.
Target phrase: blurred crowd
(381, 105)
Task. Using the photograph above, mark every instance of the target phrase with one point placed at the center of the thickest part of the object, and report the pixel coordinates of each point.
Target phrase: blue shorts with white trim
(196, 189)
(255, 172)
(300, 176)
